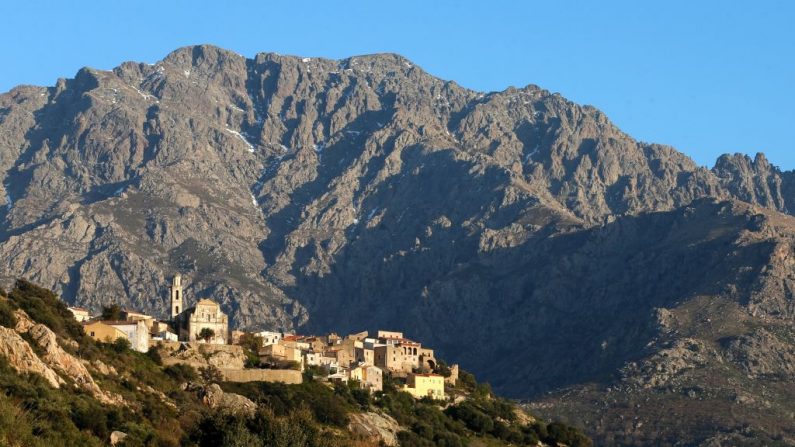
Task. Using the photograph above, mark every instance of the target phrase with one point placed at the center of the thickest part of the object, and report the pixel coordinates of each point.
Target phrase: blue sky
(707, 77)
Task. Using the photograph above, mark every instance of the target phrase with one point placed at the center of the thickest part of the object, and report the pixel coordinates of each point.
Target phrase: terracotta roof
(428, 375)
(80, 309)
(207, 302)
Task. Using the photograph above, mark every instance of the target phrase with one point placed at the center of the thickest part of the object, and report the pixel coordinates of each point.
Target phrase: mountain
(524, 235)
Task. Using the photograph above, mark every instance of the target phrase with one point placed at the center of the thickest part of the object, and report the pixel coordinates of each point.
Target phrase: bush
(112, 312)
(206, 334)
(560, 433)
(43, 306)
(181, 372)
(121, 344)
(472, 417)
(7, 317)
(154, 354)
(211, 374)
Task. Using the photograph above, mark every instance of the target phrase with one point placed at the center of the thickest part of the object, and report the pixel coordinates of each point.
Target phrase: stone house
(364, 355)
(427, 359)
(370, 377)
(319, 359)
(295, 341)
(283, 353)
(400, 357)
(386, 335)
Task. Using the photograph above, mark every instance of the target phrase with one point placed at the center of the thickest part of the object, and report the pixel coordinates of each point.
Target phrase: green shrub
(564, 434)
(181, 372)
(472, 417)
(7, 317)
(43, 306)
(112, 312)
(211, 374)
(154, 354)
(121, 344)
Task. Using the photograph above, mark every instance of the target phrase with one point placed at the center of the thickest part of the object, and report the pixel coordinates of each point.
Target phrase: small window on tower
(177, 308)
(177, 293)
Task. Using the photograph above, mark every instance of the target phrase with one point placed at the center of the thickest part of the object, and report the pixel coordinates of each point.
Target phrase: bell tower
(176, 296)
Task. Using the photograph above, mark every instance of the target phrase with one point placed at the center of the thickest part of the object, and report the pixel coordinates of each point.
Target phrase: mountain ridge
(306, 193)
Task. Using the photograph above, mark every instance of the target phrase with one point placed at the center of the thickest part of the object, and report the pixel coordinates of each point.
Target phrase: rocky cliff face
(317, 194)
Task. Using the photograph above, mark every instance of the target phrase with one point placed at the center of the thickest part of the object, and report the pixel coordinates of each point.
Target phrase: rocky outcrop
(22, 358)
(58, 359)
(377, 427)
(215, 398)
(756, 181)
(202, 354)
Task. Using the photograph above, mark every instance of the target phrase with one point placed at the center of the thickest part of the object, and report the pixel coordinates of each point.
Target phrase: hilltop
(60, 387)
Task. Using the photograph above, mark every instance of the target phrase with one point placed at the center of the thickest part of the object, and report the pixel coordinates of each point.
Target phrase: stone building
(399, 356)
(370, 377)
(189, 322)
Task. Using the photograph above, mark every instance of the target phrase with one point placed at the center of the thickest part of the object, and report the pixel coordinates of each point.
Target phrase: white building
(80, 313)
(270, 337)
(136, 332)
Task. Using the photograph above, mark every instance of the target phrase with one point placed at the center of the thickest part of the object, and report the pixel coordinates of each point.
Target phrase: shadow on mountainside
(546, 313)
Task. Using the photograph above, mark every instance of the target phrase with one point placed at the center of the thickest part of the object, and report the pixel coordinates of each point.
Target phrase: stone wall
(289, 376)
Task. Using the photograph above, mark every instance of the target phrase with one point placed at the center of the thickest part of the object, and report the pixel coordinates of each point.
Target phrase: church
(189, 322)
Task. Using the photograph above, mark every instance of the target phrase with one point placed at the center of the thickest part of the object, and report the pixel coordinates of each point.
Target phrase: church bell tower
(176, 296)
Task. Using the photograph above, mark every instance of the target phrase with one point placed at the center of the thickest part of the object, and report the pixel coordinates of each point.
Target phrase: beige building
(282, 353)
(427, 359)
(425, 385)
(206, 314)
(364, 355)
(108, 331)
(370, 377)
(295, 341)
(400, 357)
(102, 332)
(345, 351)
(390, 335)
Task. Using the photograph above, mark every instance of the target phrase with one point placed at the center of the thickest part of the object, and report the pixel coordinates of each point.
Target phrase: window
(92, 333)
(177, 309)
(176, 292)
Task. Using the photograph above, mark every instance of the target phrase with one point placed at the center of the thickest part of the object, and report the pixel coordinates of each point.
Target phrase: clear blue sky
(707, 77)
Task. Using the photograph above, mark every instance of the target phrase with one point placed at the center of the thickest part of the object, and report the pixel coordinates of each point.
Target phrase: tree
(121, 344)
(211, 374)
(112, 312)
(251, 342)
(206, 334)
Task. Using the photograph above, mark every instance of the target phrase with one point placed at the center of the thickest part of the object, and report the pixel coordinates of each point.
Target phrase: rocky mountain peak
(310, 194)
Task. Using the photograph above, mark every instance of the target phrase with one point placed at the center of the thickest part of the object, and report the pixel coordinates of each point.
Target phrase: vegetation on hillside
(160, 411)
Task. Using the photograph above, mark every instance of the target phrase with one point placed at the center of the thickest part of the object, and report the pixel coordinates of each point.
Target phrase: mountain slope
(525, 235)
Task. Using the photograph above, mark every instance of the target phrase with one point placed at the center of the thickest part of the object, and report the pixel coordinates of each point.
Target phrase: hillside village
(200, 336)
